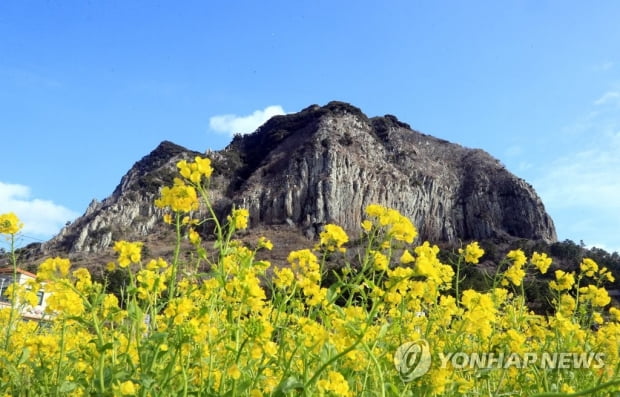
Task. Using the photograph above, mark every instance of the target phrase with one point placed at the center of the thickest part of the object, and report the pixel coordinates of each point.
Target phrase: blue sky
(88, 88)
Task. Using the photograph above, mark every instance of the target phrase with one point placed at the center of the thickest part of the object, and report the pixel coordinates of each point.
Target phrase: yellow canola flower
(428, 265)
(398, 278)
(110, 304)
(333, 237)
(598, 296)
(606, 274)
(196, 170)
(284, 277)
(128, 253)
(128, 388)
(263, 242)
(472, 252)
(375, 210)
(180, 197)
(588, 267)
(380, 261)
(403, 229)
(83, 280)
(518, 257)
(303, 260)
(397, 226)
(239, 218)
(567, 305)
(193, 236)
(472, 300)
(150, 282)
(189, 221)
(615, 313)
(480, 313)
(541, 261)
(234, 372)
(316, 295)
(406, 257)
(53, 267)
(565, 388)
(516, 341)
(563, 281)
(335, 383)
(179, 309)
(439, 379)
(514, 274)
(203, 165)
(10, 223)
(158, 263)
(63, 299)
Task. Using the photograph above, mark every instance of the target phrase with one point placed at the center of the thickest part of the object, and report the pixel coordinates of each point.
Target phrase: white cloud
(610, 96)
(581, 186)
(586, 178)
(42, 218)
(233, 124)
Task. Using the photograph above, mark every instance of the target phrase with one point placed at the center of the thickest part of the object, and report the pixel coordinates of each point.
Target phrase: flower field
(248, 328)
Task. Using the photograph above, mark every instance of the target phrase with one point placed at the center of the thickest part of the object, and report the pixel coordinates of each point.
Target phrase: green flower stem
(9, 326)
(381, 380)
(175, 261)
(457, 283)
(62, 353)
(101, 362)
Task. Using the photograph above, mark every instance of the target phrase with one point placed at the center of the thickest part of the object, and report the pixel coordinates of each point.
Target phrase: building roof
(9, 270)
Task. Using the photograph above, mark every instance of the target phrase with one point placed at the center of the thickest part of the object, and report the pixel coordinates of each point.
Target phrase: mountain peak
(158, 156)
(153, 169)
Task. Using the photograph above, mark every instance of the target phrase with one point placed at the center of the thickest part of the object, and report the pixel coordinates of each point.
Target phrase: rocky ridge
(324, 165)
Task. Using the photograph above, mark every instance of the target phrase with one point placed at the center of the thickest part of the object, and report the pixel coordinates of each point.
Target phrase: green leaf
(147, 381)
(103, 348)
(383, 331)
(23, 357)
(332, 293)
(159, 336)
(67, 387)
(289, 384)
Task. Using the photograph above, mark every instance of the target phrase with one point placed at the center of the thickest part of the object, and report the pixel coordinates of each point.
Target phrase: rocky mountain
(323, 165)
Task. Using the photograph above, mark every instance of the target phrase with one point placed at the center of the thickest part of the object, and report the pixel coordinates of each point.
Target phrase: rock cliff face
(324, 165)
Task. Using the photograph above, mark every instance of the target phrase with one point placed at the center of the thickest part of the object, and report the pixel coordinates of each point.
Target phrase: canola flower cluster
(10, 224)
(248, 328)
